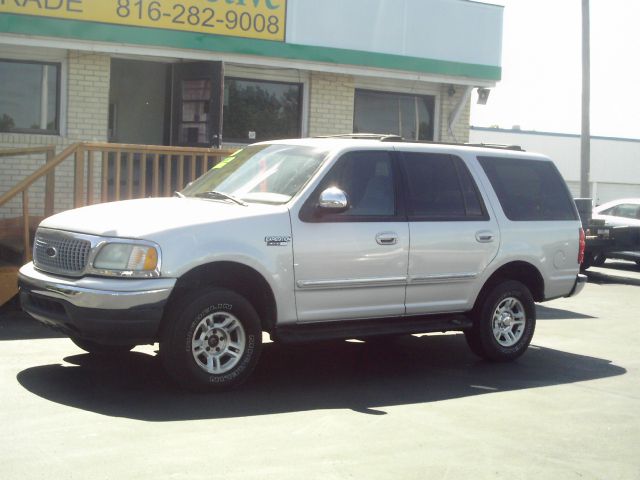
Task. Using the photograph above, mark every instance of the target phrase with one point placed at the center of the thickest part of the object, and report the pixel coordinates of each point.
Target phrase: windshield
(260, 173)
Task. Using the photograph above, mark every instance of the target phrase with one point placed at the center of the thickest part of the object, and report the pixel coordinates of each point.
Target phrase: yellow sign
(261, 19)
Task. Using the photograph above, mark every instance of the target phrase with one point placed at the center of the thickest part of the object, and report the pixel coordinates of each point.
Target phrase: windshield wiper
(213, 194)
(178, 194)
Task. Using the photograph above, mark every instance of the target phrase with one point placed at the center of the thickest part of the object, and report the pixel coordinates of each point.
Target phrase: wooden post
(130, 174)
(49, 186)
(167, 176)
(79, 178)
(26, 234)
(192, 170)
(142, 191)
(156, 174)
(117, 175)
(104, 193)
(180, 181)
(90, 177)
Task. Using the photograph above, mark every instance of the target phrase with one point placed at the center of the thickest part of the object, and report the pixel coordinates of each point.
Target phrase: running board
(305, 332)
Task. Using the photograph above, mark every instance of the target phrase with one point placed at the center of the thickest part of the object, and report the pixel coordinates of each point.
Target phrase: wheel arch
(234, 276)
(520, 271)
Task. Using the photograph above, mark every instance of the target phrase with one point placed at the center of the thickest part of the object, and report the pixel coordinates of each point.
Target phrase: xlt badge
(277, 240)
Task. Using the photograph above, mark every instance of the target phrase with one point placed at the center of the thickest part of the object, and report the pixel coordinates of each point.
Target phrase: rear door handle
(485, 236)
(387, 238)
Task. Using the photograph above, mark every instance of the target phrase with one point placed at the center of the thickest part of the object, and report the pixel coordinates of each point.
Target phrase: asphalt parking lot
(414, 408)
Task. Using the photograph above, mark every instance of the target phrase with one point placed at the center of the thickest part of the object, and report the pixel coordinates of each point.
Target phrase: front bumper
(581, 281)
(105, 310)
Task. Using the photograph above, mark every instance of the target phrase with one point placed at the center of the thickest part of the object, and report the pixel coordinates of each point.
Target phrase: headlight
(127, 260)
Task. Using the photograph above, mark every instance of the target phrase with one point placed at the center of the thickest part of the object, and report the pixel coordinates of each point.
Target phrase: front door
(197, 104)
(353, 264)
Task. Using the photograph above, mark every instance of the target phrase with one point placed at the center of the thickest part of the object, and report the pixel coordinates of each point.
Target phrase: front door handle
(387, 238)
(485, 236)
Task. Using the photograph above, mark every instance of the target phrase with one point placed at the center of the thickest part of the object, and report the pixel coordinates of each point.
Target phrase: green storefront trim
(73, 29)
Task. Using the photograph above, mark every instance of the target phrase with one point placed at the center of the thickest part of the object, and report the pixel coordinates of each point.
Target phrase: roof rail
(390, 137)
(517, 148)
(382, 137)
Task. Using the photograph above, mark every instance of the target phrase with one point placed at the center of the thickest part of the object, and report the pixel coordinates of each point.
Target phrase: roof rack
(517, 148)
(389, 137)
(382, 137)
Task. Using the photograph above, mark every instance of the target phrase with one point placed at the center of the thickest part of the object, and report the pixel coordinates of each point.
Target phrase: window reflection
(410, 116)
(29, 97)
(259, 110)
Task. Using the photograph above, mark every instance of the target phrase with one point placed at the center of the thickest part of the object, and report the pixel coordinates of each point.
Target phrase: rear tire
(599, 259)
(212, 340)
(587, 261)
(100, 348)
(503, 322)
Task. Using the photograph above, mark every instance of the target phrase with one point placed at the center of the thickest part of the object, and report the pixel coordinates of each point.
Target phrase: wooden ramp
(8, 283)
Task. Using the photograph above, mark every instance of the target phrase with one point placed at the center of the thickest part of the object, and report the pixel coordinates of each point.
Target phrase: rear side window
(440, 188)
(529, 189)
(626, 210)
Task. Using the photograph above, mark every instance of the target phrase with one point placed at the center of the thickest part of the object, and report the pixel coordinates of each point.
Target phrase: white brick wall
(331, 107)
(87, 109)
(447, 105)
(330, 104)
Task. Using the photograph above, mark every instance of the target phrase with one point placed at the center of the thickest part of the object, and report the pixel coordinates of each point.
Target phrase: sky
(541, 68)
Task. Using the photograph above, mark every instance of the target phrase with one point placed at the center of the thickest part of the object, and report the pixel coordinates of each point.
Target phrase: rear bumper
(581, 281)
(111, 311)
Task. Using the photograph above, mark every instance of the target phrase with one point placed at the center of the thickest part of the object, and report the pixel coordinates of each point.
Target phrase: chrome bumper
(105, 310)
(97, 293)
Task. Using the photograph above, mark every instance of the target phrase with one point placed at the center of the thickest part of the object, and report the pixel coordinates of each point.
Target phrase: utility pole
(585, 138)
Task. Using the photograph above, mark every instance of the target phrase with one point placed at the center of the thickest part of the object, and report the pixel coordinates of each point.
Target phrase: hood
(149, 218)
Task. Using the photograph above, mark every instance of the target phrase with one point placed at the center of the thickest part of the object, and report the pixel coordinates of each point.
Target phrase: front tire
(212, 340)
(503, 323)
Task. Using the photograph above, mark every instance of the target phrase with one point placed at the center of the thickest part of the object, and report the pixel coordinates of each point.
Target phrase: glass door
(197, 104)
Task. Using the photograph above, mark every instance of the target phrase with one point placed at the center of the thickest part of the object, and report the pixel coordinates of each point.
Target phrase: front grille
(61, 253)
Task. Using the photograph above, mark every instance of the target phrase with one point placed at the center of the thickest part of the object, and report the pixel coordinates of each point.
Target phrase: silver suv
(312, 239)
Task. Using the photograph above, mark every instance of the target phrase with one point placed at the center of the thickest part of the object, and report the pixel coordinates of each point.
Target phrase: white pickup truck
(312, 239)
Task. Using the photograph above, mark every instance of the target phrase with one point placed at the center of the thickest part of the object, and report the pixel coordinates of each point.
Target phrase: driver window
(367, 179)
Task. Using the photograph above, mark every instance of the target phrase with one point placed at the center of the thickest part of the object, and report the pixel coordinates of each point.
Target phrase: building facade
(232, 72)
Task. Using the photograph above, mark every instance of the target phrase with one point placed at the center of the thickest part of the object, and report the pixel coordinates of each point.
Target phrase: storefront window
(258, 110)
(410, 116)
(29, 97)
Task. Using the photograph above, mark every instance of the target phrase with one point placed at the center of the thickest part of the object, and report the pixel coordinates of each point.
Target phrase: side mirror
(333, 200)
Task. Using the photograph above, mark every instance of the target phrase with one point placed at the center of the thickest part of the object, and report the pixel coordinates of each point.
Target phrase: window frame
(58, 116)
(434, 113)
(460, 166)
(484, 160)
(246, 141)
(309, 212)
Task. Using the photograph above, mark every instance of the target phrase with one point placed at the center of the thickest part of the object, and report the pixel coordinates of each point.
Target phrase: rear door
(453, 236)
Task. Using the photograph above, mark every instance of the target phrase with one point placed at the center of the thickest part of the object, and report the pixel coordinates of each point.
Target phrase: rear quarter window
(529, 190)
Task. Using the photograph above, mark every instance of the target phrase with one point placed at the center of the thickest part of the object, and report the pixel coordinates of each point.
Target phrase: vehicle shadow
(614, 274)
(549, 313)
(364, 377)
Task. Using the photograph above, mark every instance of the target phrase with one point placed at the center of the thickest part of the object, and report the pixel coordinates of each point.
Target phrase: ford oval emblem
(51, 252)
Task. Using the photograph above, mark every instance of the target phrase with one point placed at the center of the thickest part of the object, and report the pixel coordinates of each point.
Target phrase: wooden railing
(127, 171)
